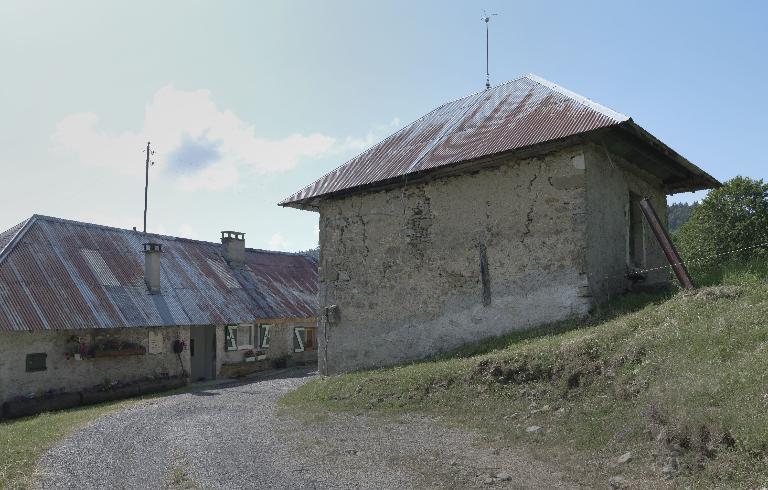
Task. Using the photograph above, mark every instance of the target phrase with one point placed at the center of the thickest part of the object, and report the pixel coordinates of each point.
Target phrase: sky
(247, 102)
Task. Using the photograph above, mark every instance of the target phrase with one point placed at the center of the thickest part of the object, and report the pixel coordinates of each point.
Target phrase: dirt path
(230, 437)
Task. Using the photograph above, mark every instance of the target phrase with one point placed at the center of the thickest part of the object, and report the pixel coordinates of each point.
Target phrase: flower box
(138, 351)
(261, 357)
(250, 359)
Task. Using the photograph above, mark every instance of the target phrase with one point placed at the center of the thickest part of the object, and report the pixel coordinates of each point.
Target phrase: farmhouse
(84, 305)
(499, 211)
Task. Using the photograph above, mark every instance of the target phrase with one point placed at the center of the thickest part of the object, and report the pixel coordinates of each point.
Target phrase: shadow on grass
(618, 306)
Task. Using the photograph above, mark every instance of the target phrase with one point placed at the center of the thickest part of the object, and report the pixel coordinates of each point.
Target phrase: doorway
(202, 353)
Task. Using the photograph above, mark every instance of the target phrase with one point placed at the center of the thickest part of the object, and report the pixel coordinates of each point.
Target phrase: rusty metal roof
(518, 114)
(59, 274)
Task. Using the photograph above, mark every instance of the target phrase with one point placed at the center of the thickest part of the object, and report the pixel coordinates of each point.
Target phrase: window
(230, 337)
(245, 337)
(264, 336)
(304, 339)
(36, 362)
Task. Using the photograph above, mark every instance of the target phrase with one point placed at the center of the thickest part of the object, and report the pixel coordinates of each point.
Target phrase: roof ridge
(22, 228)
(168, 237)
(585, 101)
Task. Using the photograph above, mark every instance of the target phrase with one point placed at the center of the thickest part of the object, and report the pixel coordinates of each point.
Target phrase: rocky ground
(225, 437)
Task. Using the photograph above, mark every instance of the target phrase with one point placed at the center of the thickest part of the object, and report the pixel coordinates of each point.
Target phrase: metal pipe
(666, 244)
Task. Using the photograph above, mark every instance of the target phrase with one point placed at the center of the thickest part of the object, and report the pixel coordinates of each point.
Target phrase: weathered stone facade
(429, 266)
(69, 375)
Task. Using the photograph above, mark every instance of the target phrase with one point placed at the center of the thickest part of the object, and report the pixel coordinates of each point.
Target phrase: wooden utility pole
(146, 183)
(666, 244)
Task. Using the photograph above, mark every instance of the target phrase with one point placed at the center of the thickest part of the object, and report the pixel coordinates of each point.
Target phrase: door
(202, 352)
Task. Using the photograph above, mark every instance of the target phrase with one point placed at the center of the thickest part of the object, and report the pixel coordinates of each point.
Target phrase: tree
(735, 216)
(679, 213)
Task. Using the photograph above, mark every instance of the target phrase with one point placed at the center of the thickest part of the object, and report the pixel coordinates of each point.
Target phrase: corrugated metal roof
(60, 274)
(518, 114)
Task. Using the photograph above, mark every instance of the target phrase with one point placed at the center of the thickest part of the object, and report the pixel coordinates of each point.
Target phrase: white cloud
(202, 145)
(371, 138)
(278, 242)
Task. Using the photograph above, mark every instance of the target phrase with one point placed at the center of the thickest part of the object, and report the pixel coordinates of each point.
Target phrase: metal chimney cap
(152, 247)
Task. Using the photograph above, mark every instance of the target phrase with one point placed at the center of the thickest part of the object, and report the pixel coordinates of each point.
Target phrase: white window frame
(298, 337)
(250, 341)
(268, 331)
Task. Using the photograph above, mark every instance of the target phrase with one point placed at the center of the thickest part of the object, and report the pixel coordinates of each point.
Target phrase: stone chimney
(152, 253)
(233, 247)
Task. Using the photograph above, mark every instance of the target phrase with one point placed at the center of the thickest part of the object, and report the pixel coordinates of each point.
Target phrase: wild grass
(679, 379)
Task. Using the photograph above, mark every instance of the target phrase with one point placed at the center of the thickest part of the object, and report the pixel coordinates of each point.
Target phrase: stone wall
(430, 266)
(610, 180)
(73, 375)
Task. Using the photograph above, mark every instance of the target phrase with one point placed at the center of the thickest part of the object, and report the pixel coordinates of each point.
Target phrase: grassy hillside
(679, 380)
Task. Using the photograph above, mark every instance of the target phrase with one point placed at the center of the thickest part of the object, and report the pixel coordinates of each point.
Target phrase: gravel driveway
(229, 437)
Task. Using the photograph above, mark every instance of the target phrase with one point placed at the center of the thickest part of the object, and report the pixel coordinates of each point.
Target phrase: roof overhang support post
(666, 244)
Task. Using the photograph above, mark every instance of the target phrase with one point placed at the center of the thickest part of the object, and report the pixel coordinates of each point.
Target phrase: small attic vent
(99, 267)
(224, 274)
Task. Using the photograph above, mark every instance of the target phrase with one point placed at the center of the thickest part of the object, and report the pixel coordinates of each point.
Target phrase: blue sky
(246, 102)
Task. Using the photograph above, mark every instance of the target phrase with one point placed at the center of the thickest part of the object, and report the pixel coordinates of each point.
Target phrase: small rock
(545, 408)
(488, 481)
(560, 412)
(495, 451)
(669, 469)
(452, 462)
(617, 482)
(624, 458)
(503, 476)
(533, 428)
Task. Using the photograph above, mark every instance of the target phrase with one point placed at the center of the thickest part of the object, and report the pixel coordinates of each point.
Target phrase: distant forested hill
(679, 213)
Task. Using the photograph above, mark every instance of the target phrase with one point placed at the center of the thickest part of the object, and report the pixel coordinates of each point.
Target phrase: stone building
(84, 304)
(506, 209)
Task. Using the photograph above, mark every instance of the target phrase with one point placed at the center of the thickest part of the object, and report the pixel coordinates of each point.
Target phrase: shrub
(732, 217)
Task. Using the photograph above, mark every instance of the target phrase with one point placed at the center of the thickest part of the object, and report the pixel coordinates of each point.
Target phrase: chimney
(233, 247)
(152, 252)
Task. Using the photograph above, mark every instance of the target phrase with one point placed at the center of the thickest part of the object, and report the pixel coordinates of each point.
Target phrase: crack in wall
(362, 225)
(529, 214)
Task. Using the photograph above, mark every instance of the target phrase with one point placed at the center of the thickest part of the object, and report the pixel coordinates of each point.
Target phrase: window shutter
(230, 337)
(264, 336)
(36, 362)
(298, 339)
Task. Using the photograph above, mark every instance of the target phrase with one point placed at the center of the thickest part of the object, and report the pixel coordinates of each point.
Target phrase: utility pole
(149, 152)
(487, 19)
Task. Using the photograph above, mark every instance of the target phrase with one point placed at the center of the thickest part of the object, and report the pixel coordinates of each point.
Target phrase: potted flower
(250, 355)
(260, 355)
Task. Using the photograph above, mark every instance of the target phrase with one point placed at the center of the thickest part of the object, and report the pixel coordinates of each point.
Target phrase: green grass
(679, 378)
(23, 441)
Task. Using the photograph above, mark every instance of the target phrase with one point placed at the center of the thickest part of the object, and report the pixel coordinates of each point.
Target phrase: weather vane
(487, 19)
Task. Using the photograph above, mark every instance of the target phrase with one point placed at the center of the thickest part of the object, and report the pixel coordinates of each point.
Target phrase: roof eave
(701, 181)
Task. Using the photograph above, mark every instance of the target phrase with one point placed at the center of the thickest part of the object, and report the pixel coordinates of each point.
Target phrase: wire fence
(691, 262)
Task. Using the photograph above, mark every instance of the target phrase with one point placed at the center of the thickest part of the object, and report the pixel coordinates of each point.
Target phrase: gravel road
(230, 437)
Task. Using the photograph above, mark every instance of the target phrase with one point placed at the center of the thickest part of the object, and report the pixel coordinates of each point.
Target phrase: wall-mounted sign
(155, 343)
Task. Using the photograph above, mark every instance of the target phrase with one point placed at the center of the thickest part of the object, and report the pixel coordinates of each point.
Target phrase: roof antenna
(149, 151)
(487, 19)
